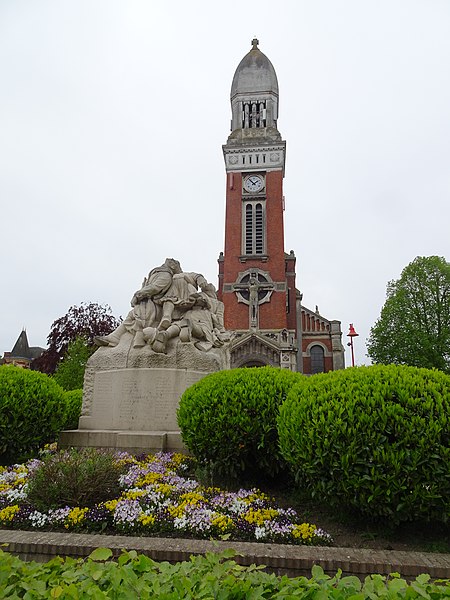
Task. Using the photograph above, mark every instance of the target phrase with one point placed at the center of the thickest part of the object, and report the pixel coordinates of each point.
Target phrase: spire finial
(255, 43)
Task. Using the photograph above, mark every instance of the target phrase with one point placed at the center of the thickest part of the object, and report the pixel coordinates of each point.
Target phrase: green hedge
(32, 412)
(73, 400)
(228, 420)
(372, 438)
(210, 576)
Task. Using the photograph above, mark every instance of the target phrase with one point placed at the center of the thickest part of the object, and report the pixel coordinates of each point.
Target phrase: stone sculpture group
(172, 337)
(171, 305)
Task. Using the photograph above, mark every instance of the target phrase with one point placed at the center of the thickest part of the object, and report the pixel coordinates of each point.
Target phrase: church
(257, 278)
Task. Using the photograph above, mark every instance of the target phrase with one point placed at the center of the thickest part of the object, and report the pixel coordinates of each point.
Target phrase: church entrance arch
(254, 363)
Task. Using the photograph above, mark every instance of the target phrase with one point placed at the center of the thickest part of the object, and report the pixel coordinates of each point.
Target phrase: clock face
(254, 183)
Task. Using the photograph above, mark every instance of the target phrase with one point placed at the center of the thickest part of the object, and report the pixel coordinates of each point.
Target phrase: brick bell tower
(256, 276)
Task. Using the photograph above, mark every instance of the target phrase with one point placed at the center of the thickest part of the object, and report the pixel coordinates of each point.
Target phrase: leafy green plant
(414, 324)
(69, 373)
(372, 438)
(32, 412)
(135, 575)
(77, 477)
(73, 400)
(228, 420)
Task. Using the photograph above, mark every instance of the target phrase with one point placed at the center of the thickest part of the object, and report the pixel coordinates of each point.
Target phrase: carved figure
(144, 311)
(203, 324)
(169, 305)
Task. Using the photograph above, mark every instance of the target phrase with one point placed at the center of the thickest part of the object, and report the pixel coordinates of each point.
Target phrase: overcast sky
(112, 118)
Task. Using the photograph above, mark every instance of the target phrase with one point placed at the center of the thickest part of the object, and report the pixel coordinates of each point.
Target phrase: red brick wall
(273, 314)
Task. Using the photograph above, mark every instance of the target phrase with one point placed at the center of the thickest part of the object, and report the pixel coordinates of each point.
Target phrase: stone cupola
(254, 94)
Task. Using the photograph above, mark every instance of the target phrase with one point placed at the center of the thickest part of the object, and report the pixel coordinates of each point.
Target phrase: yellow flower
(75, 516)
(7, 514)
(128, 460)
(188, 499)
(212, 491)
(259, 516)
(164, 488)
(305, 531)
(148, 479)
(147, 520)
(192, 498)
(177, 460)
(111, 505)
(256, 496)
(133, 495)
(176, 511)
(222, 522)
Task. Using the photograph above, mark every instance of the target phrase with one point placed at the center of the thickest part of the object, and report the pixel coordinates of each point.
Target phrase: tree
(86, 321)
(414, 325)
(70, 370)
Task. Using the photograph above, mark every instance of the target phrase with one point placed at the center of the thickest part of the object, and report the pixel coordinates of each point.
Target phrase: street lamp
(351, 334)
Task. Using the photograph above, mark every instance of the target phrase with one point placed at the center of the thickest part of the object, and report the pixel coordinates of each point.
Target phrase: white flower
(38, 519)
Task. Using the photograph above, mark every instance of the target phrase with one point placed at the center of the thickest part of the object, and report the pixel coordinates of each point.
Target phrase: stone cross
(257, 293)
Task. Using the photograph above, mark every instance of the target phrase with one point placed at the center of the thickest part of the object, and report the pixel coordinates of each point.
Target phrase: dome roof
(255, 74)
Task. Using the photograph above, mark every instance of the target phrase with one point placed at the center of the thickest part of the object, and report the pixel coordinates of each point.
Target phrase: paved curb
(278, 558)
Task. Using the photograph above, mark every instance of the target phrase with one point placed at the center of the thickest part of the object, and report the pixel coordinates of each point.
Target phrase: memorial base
(134, 442)
(131, 396)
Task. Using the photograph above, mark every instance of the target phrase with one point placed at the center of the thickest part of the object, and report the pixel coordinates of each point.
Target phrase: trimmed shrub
(372, 438)
(73, 400)
(228, 420)
(32, 412)
(77, 477)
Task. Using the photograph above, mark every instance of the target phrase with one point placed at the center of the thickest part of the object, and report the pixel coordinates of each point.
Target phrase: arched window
(317, 360)
(249, 229)
(259, 229)
(254, 228)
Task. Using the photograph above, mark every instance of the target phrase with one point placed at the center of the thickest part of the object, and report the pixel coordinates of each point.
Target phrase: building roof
(255, 74)
(22, 349)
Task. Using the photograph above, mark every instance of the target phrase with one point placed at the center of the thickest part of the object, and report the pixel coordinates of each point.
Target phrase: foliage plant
(414, 325)
(372, 438)
(76, 477)
(86, 321)
(155, 498)
(212, 575)
(32, 412)
(228, 420)
(69, 373)
(73, 400)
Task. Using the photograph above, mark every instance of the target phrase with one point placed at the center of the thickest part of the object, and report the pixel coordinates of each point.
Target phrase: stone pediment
(255, 348)
(270, 342)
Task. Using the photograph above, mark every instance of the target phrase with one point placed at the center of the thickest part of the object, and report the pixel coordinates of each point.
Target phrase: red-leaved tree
(86, 321)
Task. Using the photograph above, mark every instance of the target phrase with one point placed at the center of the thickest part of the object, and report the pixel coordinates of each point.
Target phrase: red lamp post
(351, 334)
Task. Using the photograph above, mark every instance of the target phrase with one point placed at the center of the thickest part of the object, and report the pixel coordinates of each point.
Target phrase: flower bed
(158, 498)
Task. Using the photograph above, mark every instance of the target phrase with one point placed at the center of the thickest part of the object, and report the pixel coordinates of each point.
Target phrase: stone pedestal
(131, 395)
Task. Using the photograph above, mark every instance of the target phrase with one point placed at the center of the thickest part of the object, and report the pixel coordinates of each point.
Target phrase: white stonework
(256, 158)
(138, 399)
(172, 337)
(131, 395)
